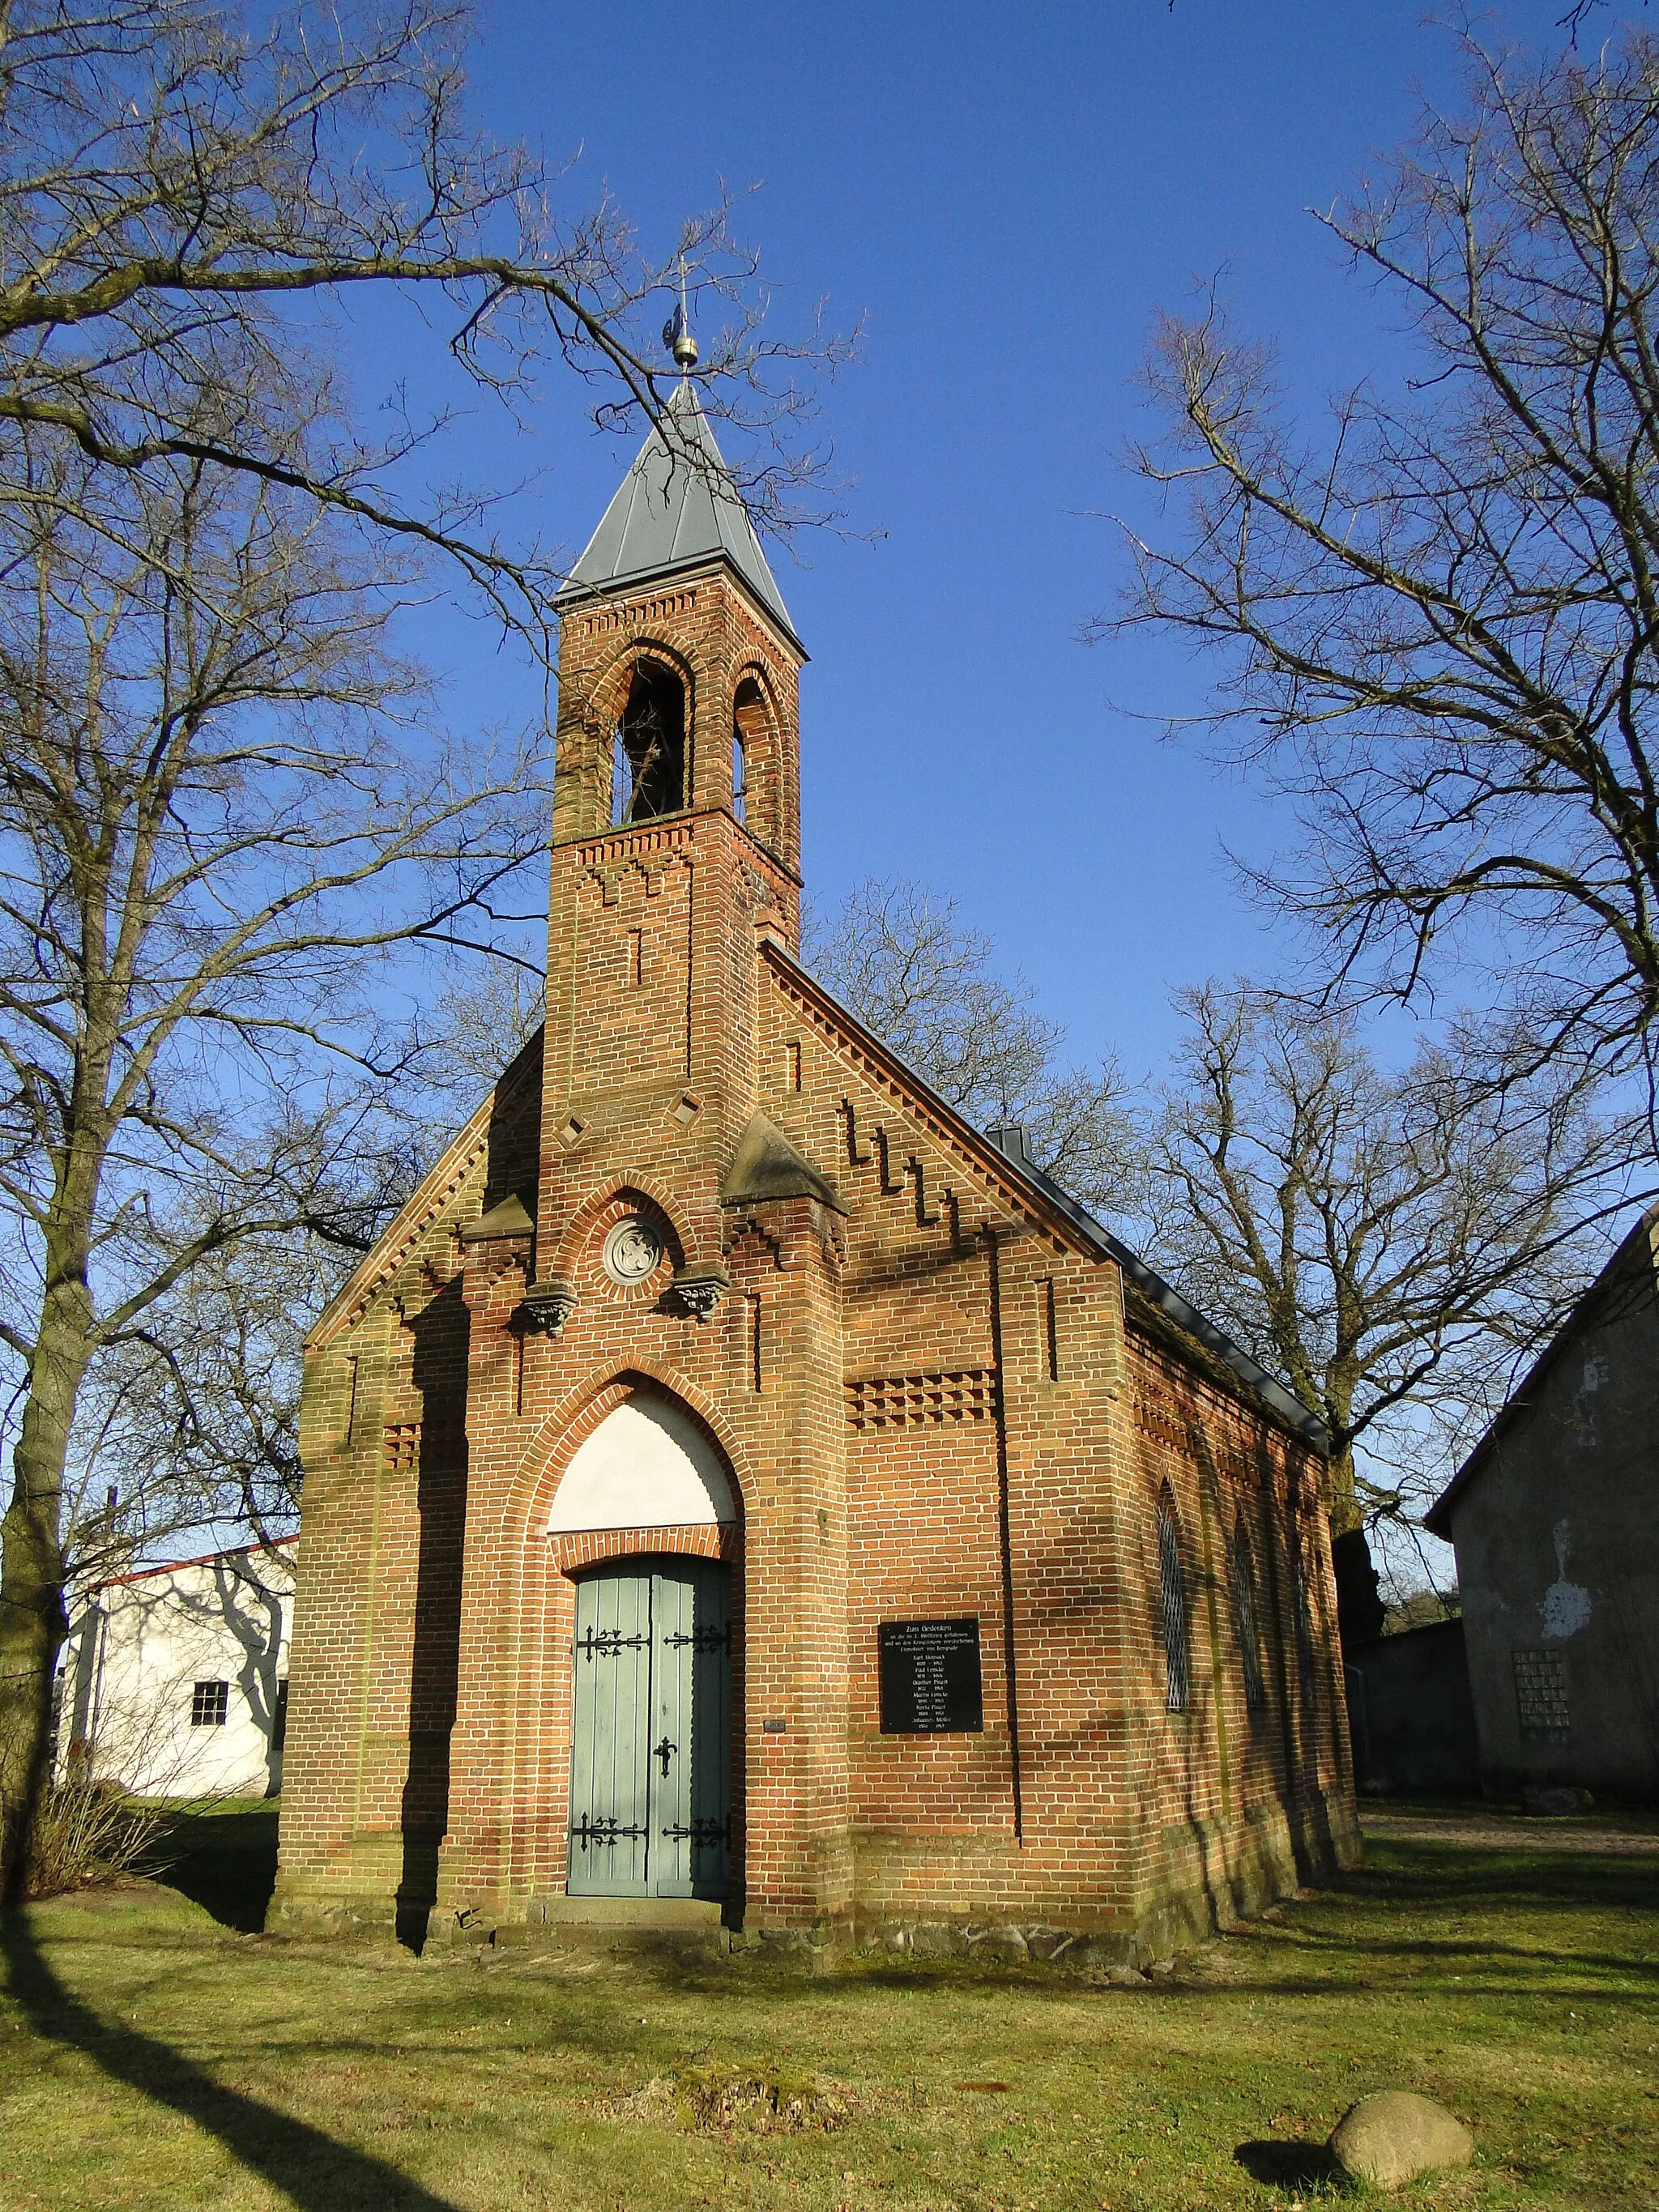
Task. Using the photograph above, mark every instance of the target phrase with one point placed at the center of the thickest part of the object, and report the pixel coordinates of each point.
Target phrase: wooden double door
(651, 1752)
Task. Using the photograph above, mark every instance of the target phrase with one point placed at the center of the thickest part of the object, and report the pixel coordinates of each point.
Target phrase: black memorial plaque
(930, 1677)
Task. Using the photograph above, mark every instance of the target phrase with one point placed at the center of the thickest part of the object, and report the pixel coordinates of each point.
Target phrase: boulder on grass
(1388, 2139)
(1544, 1800)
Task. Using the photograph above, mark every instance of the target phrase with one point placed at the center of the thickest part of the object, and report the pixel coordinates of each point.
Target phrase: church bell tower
(677, 833)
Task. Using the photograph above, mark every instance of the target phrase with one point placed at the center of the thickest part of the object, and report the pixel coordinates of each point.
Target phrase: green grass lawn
(151, 2053)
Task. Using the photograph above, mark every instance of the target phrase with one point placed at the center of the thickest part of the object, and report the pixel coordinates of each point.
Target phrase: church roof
(1197, 1338)
(674, 511)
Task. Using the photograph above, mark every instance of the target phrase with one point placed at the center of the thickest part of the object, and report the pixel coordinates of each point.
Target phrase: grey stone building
(1555, 1520)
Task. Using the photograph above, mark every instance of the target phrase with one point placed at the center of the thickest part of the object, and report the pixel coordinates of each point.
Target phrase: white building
(175, 1677)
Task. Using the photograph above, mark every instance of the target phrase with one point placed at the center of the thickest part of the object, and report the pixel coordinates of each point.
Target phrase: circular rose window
(632, 1250)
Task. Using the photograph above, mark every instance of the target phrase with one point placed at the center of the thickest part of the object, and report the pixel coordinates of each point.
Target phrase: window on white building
(210, 1705)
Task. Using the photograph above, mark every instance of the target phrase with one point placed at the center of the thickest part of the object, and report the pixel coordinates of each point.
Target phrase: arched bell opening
(754, 761)
(648, 767)
(656, 1655)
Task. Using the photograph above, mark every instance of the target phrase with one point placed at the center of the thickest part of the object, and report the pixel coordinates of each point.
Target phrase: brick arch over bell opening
(603, 705)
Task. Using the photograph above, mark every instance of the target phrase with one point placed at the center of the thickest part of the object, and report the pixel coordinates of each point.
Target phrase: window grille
(210, 1705)
(1172, 1589)
(1540, 1694)
(1249, 1642)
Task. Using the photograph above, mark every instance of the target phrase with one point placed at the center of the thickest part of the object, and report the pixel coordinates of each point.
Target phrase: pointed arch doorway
(651, 1812)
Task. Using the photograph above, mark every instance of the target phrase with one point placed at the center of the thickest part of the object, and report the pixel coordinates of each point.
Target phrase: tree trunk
(33, 1619)
(1344, 1498)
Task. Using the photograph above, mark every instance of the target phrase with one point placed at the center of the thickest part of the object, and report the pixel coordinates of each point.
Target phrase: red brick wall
(929, 1402)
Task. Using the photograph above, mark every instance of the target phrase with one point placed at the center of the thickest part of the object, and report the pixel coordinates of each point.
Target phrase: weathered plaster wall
(1558, 1559)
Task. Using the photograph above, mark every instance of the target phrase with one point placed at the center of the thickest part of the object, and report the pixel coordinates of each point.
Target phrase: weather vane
(677, 331)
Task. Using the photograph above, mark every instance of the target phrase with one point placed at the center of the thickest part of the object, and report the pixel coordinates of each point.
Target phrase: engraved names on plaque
(930, 1682)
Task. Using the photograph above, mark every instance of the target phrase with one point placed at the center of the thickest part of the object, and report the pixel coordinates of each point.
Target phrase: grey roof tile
(675, 511)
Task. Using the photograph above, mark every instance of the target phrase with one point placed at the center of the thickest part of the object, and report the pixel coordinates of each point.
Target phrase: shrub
(89, 1831)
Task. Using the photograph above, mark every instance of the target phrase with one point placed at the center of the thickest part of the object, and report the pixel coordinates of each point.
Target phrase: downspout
(1005, 1533)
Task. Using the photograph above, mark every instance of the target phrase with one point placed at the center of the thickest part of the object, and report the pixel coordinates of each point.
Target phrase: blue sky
(1007, 195)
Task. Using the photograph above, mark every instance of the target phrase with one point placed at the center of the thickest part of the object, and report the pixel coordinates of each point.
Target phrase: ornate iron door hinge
(604, 1831)
(605, 1643)
(705, 1637)
(705, 1834)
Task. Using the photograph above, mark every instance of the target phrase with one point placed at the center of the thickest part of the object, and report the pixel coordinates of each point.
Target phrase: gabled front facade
(732, 1477)
(1554, 1517)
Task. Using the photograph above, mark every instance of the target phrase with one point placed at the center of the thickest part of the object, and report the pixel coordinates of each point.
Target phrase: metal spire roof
(675, 511)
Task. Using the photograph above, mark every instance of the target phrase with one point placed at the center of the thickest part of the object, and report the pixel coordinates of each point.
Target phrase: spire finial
(677, 331)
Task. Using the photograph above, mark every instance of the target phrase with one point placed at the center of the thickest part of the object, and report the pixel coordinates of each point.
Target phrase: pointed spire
(675, 512)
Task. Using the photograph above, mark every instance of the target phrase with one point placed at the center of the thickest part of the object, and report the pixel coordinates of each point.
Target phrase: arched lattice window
(647, 775)
(1245, 1614)
(1172, 1590)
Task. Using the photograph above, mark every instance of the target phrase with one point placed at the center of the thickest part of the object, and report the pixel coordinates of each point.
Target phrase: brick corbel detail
(488, 1263)
(789, 1229)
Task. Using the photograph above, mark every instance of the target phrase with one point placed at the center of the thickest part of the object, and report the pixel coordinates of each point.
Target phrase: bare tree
(178, 179)
(898, 956)
(220, 817)
(188, 1424)
(479, 1020)
(1387, 1242)
(1579, 14)
(1437, 623)
(209, 839)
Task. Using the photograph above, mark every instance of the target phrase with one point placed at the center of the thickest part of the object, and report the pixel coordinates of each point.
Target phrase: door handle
(664, 1751)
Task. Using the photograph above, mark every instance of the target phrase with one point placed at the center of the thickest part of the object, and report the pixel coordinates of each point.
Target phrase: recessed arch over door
(649, 1464)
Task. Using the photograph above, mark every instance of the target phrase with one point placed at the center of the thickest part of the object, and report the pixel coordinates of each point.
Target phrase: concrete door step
(690, 1914)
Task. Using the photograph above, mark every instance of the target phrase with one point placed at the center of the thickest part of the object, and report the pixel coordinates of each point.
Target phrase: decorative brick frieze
(403, 1447)
(893, 1401)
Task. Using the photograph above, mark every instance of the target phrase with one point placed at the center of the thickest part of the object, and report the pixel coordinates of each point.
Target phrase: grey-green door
(651, 1754)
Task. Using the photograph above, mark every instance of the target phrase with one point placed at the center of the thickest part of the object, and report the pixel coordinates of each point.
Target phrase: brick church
(736, 1489)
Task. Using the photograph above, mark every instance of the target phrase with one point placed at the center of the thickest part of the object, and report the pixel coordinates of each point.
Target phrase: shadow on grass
(1297, 2165)
(1413, 1872)
(309, 2168)
(223, 1860)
